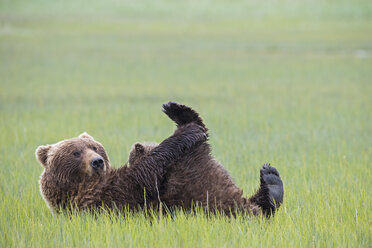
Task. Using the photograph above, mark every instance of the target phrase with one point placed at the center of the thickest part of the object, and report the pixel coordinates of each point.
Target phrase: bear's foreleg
(149, 173)
(182, 114)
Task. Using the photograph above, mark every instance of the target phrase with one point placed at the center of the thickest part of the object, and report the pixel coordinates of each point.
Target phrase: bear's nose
(97, 163)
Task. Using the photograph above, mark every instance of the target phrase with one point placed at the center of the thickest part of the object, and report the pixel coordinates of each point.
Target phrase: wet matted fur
(198, 178)
(77, 172)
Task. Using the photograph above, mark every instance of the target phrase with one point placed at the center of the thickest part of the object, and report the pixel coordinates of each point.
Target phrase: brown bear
(200, 179)
(77, 172)
(139, 151)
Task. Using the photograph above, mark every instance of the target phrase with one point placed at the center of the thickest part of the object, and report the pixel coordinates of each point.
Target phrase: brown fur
(199, 179)
(68, 179)
(178, 172)
(139, 151)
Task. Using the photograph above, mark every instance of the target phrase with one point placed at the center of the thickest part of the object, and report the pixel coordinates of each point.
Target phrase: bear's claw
(268, 169)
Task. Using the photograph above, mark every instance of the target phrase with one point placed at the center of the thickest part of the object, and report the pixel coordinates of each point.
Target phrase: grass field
(286, 82)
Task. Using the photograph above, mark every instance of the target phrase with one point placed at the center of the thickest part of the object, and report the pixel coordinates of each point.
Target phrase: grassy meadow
(285, 82)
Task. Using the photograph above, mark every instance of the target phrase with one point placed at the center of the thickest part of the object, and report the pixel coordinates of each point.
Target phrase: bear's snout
(97, 163)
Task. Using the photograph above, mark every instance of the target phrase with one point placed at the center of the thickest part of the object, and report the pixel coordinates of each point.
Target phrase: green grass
(286, 82)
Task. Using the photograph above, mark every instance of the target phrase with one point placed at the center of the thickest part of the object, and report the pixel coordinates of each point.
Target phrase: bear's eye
(76, 154)
(94, 148)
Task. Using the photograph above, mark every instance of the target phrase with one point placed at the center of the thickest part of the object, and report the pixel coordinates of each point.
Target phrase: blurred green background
(286, 82)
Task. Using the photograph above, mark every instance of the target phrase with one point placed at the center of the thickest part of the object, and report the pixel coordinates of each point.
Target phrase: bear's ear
(85, 135)
(139, 148)
(42, 154)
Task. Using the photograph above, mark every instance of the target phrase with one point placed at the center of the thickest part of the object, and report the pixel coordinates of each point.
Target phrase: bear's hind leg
(270, 195)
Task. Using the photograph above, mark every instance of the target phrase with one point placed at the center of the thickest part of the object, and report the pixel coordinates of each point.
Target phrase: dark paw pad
(270, 180)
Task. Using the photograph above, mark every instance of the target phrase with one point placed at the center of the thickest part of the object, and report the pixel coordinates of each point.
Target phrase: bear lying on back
(77, 172)
(199, 178)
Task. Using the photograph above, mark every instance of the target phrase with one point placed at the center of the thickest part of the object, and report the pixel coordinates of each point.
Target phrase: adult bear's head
(69, 165)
